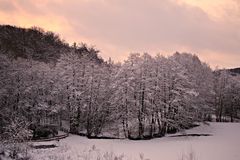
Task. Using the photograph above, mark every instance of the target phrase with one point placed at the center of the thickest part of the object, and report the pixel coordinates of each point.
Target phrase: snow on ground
(224, 144)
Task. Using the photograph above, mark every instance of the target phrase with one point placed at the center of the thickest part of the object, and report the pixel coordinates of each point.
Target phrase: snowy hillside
(223, 144)
(48, 86)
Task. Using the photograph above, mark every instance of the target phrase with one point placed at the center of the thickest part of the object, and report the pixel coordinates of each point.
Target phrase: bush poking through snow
(65, 153)
(94, 153)
(190, 156)
(14, 139)
(142, 157)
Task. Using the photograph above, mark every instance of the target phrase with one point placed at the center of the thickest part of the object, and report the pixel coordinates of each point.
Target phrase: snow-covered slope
(224, 144)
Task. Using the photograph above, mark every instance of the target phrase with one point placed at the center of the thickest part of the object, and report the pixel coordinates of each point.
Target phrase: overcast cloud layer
(118, 27)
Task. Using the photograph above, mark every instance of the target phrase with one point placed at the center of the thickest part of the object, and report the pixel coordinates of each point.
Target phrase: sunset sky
(207, 28)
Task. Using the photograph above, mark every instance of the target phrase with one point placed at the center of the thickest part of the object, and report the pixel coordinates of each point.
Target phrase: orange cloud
(216, 9)
(207, 28)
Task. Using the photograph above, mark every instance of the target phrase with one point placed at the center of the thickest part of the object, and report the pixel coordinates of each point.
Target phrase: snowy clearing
(224, 144)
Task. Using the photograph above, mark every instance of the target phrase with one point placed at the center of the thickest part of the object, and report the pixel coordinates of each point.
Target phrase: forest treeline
(143, 97)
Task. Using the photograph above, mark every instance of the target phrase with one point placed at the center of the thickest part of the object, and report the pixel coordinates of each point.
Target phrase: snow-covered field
(224, 144)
